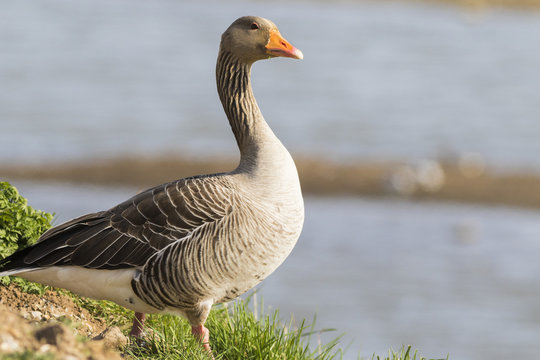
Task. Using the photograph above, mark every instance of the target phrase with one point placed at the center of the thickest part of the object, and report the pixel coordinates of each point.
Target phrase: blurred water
(446, 278)
(380, 81)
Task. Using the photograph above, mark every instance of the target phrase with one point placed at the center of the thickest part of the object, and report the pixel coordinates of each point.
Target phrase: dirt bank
(426, 180)
(37, 324)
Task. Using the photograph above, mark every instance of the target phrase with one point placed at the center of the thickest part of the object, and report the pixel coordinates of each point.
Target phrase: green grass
(20, 224)
(236, 332)
(403, 354)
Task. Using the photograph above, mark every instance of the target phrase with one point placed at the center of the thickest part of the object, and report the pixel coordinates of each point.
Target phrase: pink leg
(138, 325)
(203, 335)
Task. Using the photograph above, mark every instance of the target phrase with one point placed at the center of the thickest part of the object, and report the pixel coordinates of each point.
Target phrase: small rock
(50, 334)
(55, 312)
(36, 315)
(25, 315)
(8, 343)
(45, 348)
(112, 338)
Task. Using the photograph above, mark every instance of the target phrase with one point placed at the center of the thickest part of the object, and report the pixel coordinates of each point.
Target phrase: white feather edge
(113, 285)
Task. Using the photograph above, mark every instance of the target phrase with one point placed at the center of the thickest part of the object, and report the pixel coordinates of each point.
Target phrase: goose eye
(254, 26)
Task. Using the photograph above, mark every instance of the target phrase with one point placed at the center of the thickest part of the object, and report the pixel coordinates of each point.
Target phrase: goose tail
(14, 264)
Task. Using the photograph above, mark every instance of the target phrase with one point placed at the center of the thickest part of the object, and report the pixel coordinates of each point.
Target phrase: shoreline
(427, 180)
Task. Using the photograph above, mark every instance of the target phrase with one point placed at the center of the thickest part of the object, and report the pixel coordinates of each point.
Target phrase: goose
(180, 247)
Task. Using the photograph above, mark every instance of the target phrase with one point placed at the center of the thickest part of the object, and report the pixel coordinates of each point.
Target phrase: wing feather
(55, 257)
(83, 233)
(131, 232)
(89, 251)
(103, 260)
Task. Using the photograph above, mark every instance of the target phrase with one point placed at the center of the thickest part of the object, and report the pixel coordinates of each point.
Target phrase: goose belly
(250, 262)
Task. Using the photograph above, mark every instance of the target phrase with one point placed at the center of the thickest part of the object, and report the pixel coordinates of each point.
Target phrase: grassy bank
(237, 332)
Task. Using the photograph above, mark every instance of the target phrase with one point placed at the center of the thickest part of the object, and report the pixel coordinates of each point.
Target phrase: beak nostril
(284, 44)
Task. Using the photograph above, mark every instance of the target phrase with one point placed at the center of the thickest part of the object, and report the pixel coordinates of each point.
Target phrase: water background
(379, 81)
(90, 79)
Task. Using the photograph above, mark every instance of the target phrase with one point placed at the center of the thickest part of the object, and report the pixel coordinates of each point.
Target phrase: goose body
(182, 246)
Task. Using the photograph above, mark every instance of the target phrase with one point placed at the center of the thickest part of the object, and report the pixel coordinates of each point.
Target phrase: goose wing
(129, 233)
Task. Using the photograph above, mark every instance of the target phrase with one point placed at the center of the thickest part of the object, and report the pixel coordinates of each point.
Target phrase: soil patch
(36, 323)
(50, 306)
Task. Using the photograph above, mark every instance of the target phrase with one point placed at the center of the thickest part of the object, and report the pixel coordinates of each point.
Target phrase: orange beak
(278, 46)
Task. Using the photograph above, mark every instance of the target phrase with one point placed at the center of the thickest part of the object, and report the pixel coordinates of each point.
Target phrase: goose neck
(250, 129)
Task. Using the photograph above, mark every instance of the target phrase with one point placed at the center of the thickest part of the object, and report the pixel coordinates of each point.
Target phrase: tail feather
(15, 264)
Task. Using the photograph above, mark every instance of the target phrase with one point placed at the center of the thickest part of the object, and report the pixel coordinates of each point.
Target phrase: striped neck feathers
(247, 123)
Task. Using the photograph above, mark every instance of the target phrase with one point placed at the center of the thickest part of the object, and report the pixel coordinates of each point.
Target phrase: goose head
(252, 38)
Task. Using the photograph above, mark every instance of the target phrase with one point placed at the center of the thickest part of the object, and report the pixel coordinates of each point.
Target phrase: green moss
(20, 224)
